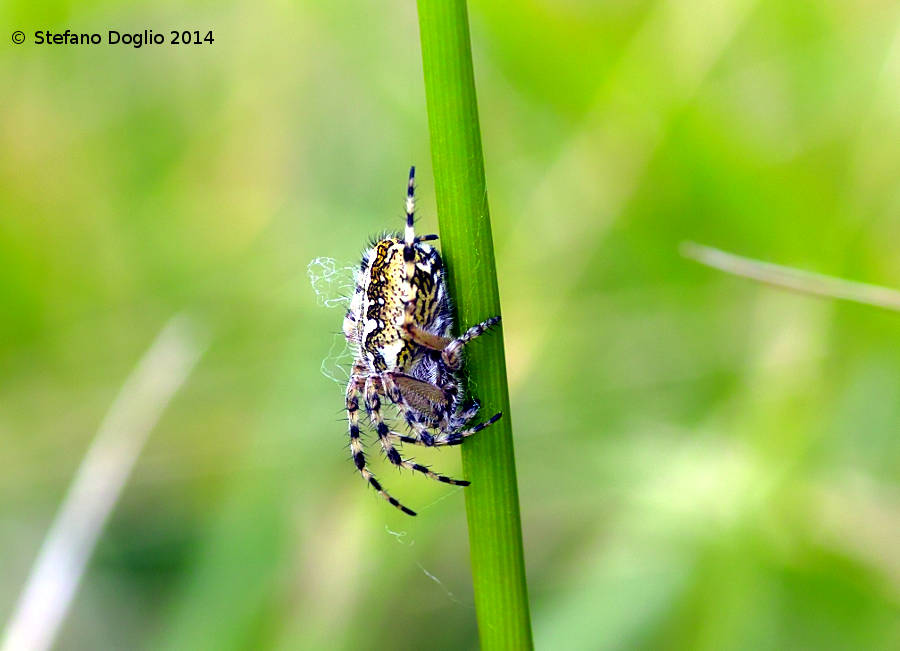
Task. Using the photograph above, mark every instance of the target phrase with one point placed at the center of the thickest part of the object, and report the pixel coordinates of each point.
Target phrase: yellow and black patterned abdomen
(384, 289)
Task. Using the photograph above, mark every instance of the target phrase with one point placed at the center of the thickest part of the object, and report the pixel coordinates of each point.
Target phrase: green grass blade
(492, 506)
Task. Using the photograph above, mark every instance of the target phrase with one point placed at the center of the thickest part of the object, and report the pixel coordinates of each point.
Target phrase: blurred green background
(704, 463)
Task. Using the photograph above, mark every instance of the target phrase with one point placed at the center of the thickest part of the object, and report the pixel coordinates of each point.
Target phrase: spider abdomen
(375, 319)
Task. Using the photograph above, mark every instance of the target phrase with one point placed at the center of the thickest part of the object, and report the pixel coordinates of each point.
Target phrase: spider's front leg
(451, 354)
(409, 242)
(450, 349)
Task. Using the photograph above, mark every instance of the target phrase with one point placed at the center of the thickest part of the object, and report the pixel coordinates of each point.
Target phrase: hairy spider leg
(409, 243)
(409, 256)
(356, 448)
(451, 354)
(435, 400)
(454, 438)
(384, 436)
(430, 398)
(449, 348)
(464, 415)
(423, 338)
(420, 430)
(373, 406)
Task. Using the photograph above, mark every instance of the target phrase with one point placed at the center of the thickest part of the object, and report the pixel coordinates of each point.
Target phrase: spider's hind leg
(409, 413)
(451, 435)
(464, 415)
(385, 437)
(359, 457)
(456, 438)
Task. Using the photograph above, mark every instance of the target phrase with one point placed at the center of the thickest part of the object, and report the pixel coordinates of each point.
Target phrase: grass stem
(492, 506)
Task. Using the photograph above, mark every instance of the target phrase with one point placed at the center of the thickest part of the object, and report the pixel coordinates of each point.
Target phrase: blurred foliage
(704, 462)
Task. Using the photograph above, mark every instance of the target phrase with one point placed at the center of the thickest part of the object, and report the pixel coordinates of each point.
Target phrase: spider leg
(409, 252)
(373, 406)
(422, 395)
(418, 467)
(385, 436)
(409, 234)
(454, 438)
(356, 448)
(423, 338)
(464, 415)
(435, 400)
(450, 348)
(450, 354)
(421, 431)
(422, 435)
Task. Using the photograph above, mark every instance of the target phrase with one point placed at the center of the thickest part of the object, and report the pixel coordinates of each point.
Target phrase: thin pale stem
(797, 280)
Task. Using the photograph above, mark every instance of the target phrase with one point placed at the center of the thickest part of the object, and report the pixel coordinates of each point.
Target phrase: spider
(398, 325)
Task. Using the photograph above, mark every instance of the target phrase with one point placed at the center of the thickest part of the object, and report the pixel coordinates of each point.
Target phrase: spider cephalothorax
(399, 325)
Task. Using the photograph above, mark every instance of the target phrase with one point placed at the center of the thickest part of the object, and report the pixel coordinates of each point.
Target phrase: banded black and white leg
(463, 416)
(451, 438)
(373, 407)
(385, 437)
(410, 240)
(432, 401)
(409, 245)
(422, 433)
(403, 398)
(354, 392)
(450, 349)
(451, 352)
(408, 393)
(409, 235)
